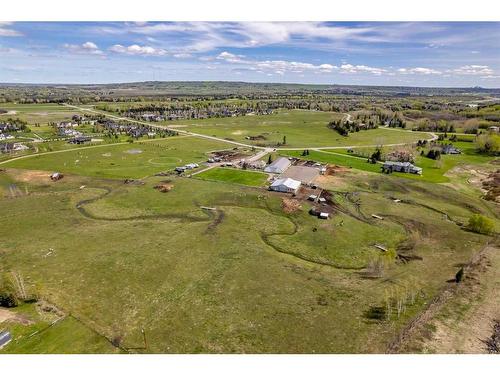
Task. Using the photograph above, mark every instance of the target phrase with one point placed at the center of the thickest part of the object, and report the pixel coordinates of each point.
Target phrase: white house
(285, 185)
(278, 166)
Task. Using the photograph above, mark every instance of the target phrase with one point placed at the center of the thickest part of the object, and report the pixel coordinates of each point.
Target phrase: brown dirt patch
(10, 316)
(492, 186)
(335, 169)
(290, 205)
(164, 186)
(32, 177)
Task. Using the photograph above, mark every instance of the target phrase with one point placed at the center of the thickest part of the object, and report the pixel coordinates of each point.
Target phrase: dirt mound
(259, 137)
(130, 181)
(228, 155)
(332, 169)
(492, 186)
(164, 186)
(290, 205)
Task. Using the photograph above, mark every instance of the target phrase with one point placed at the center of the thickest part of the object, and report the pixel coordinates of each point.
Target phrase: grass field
(234, 176)
(38, 113)
(134, 160)
(245, 278)
(301, 128)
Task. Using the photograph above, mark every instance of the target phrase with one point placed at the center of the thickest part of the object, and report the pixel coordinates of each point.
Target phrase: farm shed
(285, 185)
(278, 166)
(5, 338)
(405, 167)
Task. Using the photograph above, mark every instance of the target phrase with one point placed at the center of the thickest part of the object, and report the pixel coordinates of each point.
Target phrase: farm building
(278, 166)
(5, 338)
(397, 166)
(285, 185)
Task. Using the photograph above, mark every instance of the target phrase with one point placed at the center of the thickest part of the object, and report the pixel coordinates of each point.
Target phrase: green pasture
(234, 176)
(119, 160)
(301, 128)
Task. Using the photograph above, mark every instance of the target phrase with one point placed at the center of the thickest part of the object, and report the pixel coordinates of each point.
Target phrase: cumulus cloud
(6, 30)
(135, 49)
(84, 48)
(473, 70)
(349, 68)
(419, 70)
(229, 57)
(279, 67)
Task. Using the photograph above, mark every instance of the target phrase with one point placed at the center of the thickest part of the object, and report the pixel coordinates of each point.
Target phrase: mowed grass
(234, 176)
(301, 128)
(246, 278)
(67, 336)
(134, 160)
(39, 113)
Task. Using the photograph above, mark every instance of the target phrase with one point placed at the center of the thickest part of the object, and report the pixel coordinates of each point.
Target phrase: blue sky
(367, 53)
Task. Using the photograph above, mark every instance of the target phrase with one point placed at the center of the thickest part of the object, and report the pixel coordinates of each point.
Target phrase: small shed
(324, 215)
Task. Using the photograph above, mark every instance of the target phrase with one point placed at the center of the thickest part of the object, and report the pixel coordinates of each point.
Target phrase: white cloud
(349, 68)
(279, 67)
(229, 57)
(182, 55)
(85, 48)
(135, 49)
(473, 70)
(419, 70)
(5, 30)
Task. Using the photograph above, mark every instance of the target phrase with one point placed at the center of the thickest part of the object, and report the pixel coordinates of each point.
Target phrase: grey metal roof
(279, 164)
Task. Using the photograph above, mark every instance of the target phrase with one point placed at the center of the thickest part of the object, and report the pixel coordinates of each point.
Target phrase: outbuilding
(278, 166)
(285, 185)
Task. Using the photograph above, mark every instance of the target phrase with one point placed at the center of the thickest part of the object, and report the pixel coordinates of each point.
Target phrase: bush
(488, 144)
(480, 224)
(8, 300)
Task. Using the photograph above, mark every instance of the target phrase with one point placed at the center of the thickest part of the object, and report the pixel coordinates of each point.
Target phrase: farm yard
(123, 255)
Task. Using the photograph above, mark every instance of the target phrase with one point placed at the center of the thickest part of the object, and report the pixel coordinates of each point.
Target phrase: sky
(438, 54)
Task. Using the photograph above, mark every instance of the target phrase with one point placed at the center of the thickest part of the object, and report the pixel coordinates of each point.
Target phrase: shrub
(488, 144)
(8, 300)
(481, 224)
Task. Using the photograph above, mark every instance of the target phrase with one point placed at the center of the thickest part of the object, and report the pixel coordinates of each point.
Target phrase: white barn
(285, 185)
(278, 166)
